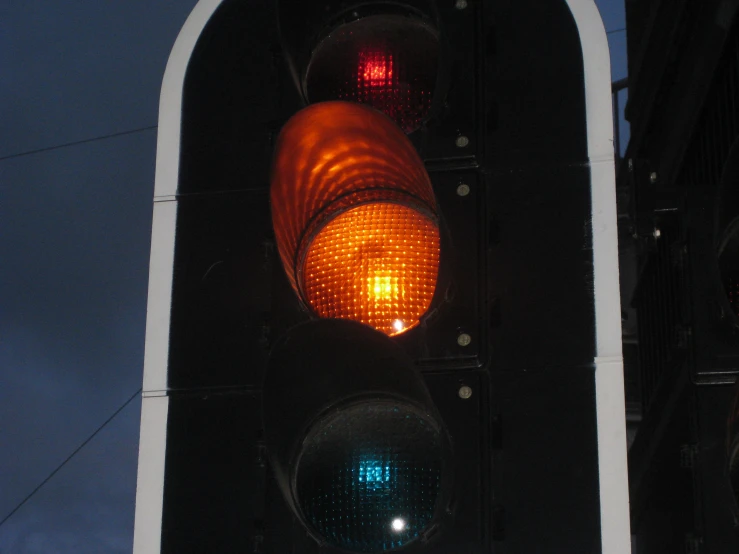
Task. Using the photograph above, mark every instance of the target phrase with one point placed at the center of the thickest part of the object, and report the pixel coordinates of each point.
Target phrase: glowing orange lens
(377, 264)
(355, 216)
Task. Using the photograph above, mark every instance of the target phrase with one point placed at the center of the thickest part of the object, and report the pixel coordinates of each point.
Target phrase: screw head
(657, 233)
(463, 189)
(465, 392)
(460, 4)
(653, 177)
(462, 141)
(464, 339)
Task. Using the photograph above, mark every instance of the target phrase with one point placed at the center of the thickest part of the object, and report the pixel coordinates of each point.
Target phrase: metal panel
(719, 533)
(545, 470)
(214, 473)
(236, 93)
(704, 167)
(661, 300)
(662, 499)
(460, 304)
(541, 268)
(221, 290)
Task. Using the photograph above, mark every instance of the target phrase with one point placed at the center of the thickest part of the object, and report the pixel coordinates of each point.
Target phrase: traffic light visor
(355, 217)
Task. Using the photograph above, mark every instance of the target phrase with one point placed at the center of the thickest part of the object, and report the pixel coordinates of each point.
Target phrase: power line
(123, 133)
(72, 455)
(75, 143)
(130, 132)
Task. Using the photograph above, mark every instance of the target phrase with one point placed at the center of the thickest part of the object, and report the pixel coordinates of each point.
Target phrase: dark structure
(678, 193)
(507, 392)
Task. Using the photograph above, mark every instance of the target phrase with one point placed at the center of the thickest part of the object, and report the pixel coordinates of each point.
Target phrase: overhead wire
(75, 143)
(129, 132)
(72, 455)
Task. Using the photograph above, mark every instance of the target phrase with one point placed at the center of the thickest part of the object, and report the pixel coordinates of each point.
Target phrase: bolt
(462, 141)
(463, 189)
(464, 339)
(653, 177)
(460, 4)
(465, 392)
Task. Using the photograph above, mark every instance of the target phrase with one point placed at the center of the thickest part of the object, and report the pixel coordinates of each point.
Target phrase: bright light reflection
(398, 524)
(398, 325)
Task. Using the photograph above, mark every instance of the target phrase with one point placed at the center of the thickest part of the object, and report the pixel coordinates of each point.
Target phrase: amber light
(355, 217)
(376, 263)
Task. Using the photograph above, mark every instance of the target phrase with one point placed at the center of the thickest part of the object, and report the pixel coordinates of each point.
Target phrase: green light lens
(369, 477)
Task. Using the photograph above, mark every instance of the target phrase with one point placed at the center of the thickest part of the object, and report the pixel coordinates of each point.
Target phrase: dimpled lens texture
(388, 62)
(352, 203)
(376, 264)
(369, 477)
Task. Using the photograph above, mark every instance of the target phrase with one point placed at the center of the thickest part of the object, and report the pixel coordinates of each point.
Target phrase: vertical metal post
(616, 128)
(616, 88)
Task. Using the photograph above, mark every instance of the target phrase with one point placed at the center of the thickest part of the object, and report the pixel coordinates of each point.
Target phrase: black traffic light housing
(522, 365)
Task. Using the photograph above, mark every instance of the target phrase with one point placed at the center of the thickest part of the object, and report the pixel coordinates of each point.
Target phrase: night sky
(75, 226)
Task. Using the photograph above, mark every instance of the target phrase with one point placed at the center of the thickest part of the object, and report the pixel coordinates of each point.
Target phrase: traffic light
(362, 455)
(355, 217)
(383, 307)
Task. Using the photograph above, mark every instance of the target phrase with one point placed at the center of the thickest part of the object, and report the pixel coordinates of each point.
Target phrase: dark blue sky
(74, 253)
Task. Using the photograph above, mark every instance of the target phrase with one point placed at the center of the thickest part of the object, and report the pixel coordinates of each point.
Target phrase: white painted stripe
(152, 448)
(605, 260)
(612, 460)
(147, 531)
(159, 306)
(609, 384)
(170, 99)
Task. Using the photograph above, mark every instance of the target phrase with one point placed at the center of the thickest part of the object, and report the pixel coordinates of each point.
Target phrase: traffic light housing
(514, 366)
(361, 454)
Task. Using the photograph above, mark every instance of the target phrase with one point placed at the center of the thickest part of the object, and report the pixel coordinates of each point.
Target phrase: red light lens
(387, 62)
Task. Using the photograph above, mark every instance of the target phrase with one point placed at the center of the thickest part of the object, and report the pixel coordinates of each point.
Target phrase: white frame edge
(609, 382)
(147, 529)
(170, 99)
(155, 403)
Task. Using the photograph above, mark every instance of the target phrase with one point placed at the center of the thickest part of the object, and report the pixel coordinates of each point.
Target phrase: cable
(132, 131)
(75, 143)
(72, 455)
